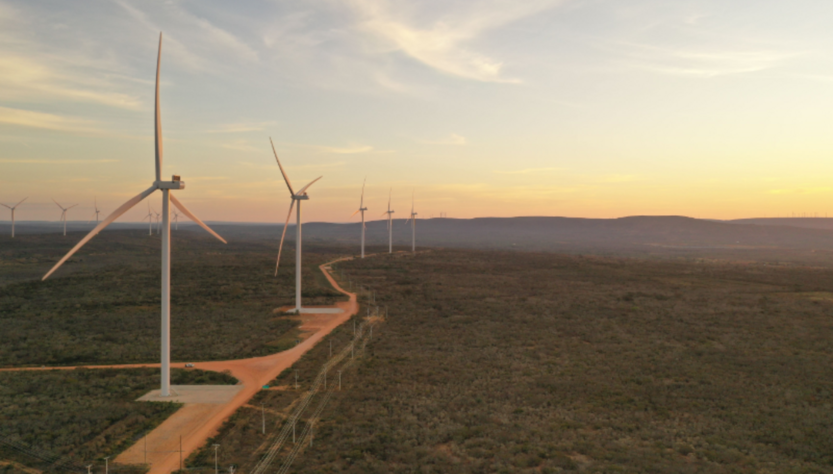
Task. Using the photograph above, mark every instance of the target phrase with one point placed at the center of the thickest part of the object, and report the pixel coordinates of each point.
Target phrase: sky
(596, 108)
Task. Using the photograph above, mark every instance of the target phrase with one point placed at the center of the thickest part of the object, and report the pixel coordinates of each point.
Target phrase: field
(525, 362)
(102, 307)
(62, 420)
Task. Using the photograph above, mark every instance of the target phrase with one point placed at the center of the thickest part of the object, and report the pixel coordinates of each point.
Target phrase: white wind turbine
(176, 220)
(149, 217)
(362, 209)
(158, 221)
(301, 195)
(167, 199)
(390, 224)
(96, 212)
(413, 226)
(13, 208)
(64, 213)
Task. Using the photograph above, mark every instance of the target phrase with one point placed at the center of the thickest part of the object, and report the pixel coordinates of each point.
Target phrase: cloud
(242, 127)
(443, 44)
(28, 118)
(38, 161)
(347, 150)
(527, 170)
(452, 139)
(25, 78)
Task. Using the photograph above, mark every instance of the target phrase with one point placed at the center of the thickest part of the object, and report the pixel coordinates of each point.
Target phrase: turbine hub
(175, 184)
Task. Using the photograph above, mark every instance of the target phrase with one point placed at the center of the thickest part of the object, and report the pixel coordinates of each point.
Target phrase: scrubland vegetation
(103, 307)
(58, 420)
(525, 362)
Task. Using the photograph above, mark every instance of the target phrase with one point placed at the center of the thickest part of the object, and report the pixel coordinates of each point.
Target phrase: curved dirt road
(198, 424)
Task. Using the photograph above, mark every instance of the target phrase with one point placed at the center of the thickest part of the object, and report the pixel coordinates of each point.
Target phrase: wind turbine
(149, 217)
(301, 195)
(167, 199)
(176, 220)
(158, 222)
(64, 214)
(15, 207)
(96, 210)
(413, 226)
(390, 227)
(362, 209)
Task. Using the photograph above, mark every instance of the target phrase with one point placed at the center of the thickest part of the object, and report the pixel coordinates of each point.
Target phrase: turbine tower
(13, 208)
(413, 226)
(158, 222)
(167, 199)
(64, 214)
(301, 195)
(390, 224)
(362, 209)
(176, 220)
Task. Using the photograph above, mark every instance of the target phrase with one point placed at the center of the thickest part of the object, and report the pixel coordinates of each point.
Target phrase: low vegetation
(525, 362)
(103, 306)
(61, 420)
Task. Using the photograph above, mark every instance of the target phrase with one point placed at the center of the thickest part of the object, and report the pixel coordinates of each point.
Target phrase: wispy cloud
(444, 43)
(527, 170)
(242, 127)
(38, 161)
(28, 118)
(704, 62)
(452, 139)
(347, 150)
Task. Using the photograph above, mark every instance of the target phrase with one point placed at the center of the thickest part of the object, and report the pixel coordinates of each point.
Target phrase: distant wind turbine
(95, 203)
(413, 226)
(167, 199)
(390, 223)
(64, 213)
(13, 208)
(176, 220)
(362, 209)
(301, 195)
(149, 217)
(158, 222)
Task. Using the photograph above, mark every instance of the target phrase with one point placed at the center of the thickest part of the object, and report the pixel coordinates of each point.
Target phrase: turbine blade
(157, 121)
(56, 203)
(362, 201)
(195, 218)
(115, 215)
(382, 214)
(351, 215)
(5, 205)
(285, 177)
(283, 234)
(301, 192)
(70, 207)
(21, 201)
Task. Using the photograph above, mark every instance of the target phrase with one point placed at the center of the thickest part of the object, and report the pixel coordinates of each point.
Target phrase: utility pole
(89, 469)
(106, 465)
(216, 469)
(263, 413)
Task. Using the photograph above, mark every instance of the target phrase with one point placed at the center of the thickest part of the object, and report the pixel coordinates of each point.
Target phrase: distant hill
(637, 235)
(805, 222)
